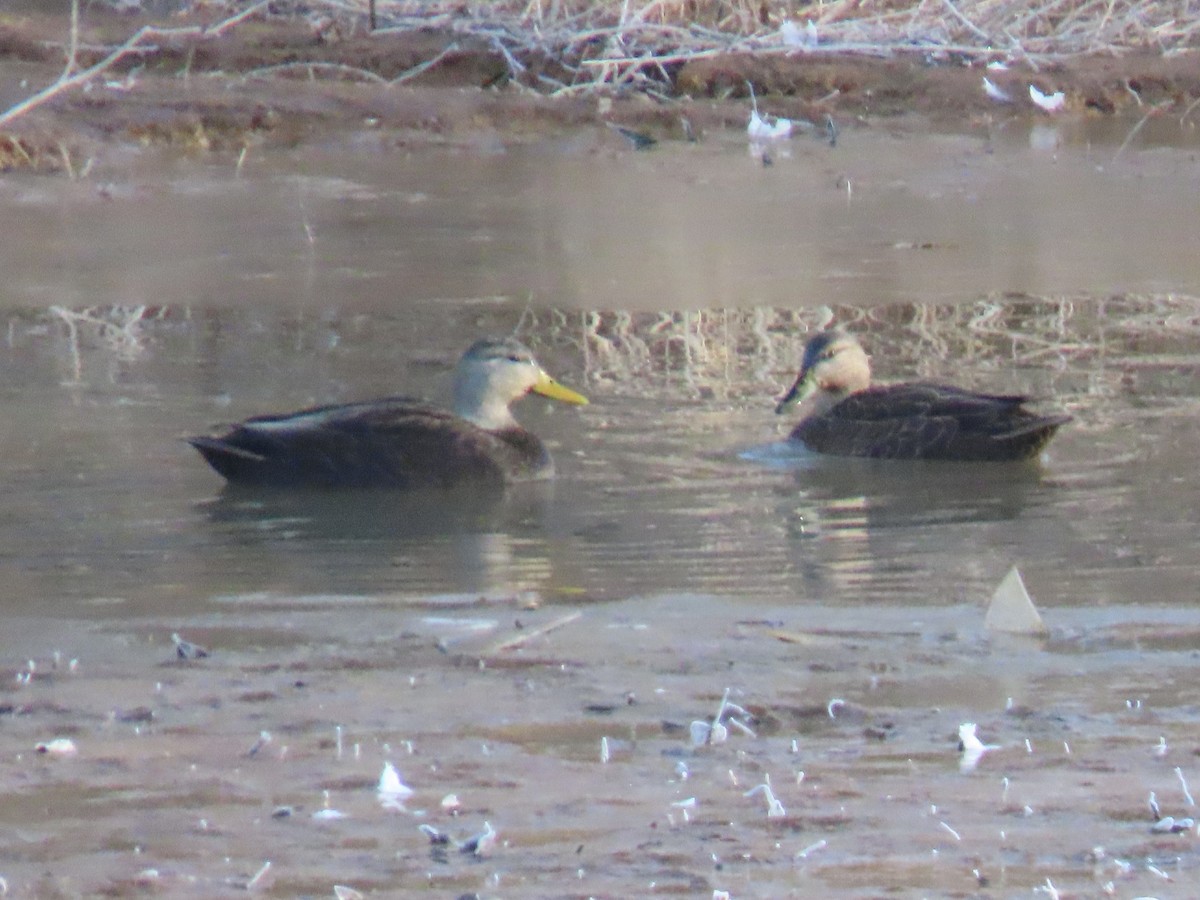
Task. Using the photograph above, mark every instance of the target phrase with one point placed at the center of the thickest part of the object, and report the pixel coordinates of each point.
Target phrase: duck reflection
(900, 493)
(464, 540)
(868, 529)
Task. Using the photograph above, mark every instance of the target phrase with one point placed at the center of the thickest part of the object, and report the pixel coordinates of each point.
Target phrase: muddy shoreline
(279, 84)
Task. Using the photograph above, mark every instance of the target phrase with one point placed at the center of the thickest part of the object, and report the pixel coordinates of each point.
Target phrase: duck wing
(929, 421)
(398, 442)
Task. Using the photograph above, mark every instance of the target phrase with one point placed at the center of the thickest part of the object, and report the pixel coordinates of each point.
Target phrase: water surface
(684, 549)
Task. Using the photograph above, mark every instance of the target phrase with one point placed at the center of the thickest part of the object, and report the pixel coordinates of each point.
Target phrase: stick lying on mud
(66, 81)
(522, 639)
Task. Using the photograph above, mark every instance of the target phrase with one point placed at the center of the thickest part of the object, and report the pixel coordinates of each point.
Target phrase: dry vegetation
(1081, 346)
(562, 47)
(619, 43)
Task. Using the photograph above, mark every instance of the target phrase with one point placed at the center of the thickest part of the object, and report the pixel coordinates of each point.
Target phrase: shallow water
(684, 549)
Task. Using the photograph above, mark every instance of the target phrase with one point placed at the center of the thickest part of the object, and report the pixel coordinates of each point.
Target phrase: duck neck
(472, 402)
(821, 402)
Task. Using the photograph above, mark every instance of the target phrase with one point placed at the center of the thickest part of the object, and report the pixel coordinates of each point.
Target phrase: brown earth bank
(281, 82)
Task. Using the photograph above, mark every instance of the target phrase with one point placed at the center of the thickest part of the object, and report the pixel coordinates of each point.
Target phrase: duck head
(834, 366)
(495, 372)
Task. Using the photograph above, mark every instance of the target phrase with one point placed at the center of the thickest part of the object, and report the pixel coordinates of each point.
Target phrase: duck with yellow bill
(401, 442)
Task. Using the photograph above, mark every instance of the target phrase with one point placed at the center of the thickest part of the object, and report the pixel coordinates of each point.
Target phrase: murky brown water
(682, 552)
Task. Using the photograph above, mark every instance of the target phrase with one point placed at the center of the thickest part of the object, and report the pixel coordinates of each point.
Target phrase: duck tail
(1036, 424)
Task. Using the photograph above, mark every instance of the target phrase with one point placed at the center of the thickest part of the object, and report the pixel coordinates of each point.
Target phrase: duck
(401, 442)
(843, 414)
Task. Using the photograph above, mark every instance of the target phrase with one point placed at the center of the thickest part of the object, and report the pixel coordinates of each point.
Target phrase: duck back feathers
(392, 443)
(929, 421)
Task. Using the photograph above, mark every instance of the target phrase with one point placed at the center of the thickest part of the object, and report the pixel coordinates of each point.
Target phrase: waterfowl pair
(401, 442)
(844, 415)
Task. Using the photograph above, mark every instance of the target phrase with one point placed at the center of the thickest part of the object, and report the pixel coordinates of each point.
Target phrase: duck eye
(514, 358)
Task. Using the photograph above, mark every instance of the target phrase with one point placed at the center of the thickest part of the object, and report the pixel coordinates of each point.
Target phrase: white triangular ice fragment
(972, 748)
(392, 791)
(966, 735)
(1012, 608)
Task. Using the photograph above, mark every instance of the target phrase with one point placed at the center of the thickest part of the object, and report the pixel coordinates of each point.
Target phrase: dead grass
(632, 44)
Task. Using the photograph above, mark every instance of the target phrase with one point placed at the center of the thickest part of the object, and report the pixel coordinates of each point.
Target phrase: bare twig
(1154, 111)
(67, 81)
(421, 68)
(975, 29)
(314, 67)
(525, 637)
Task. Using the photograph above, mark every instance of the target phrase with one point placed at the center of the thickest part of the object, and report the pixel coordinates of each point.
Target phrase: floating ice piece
(328, 815)
(264, 738)
(997, 66)
(186, 649)
(1172, 825)
(435, 837)
(257, 881)
(1183, 784)
(60, 747)
(1000, 96)
(392, 791)
(639, 140)
(972, 748)
(708, 733)
(812, 848)
(342, 892)
(775, 809)
(451, 803)
(801, 39)
(1012, 608)
(482, 843)
(768, 129)
(1049, 102)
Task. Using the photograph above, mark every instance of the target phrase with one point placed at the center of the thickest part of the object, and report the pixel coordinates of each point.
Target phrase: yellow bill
(548, 387)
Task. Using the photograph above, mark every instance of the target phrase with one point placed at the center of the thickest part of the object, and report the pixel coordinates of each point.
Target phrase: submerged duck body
(401, 442)
(844, 415)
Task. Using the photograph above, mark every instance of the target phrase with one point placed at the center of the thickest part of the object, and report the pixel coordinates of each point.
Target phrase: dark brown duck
(843, 415)
(401, 442)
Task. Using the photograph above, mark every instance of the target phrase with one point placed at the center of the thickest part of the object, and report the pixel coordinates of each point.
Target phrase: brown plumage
(843, 415)
(401, 442)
